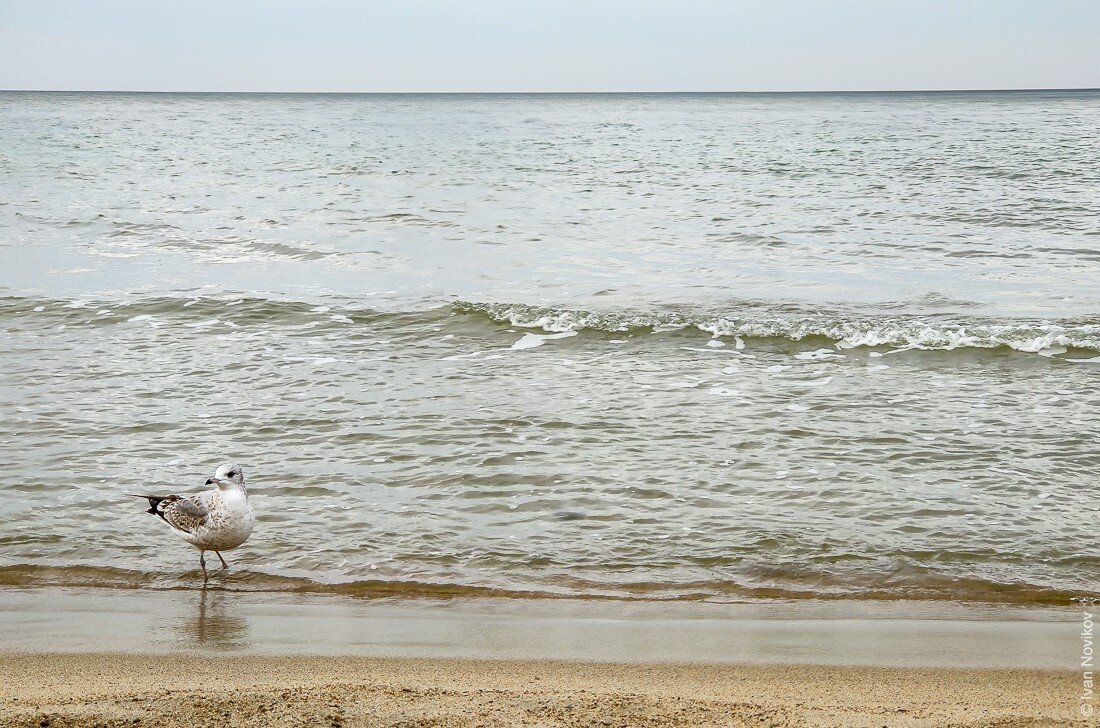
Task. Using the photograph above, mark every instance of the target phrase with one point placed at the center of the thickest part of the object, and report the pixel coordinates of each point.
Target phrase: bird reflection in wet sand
(214, 627)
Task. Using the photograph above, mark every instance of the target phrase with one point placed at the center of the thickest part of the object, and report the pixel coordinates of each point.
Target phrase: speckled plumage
(184, 514)
(215, 520)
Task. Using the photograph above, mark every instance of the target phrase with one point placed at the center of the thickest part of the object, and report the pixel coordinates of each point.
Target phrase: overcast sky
(548, 45)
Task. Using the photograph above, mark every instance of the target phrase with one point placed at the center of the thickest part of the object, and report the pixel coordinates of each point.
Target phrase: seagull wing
(184, 514)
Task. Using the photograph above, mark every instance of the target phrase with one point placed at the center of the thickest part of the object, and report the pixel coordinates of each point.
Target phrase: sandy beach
(114, 690)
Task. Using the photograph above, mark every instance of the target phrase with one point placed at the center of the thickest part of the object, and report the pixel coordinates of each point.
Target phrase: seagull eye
(231, 474)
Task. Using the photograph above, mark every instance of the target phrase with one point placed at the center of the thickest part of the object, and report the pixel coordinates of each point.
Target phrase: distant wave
(747, 321)
(188, 310)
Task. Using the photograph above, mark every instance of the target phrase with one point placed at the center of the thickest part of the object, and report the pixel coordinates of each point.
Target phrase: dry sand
(163, 690)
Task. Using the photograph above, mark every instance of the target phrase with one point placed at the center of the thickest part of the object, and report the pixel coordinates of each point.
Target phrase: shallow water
(706, 346)
(212, 622)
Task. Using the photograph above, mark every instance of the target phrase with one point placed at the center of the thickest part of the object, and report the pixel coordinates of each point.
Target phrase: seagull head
(227, 476)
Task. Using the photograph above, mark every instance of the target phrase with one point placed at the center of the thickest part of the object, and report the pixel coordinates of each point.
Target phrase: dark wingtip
(154, 501)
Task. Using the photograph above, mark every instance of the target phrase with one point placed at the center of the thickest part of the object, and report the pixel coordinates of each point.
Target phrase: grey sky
(557, 45)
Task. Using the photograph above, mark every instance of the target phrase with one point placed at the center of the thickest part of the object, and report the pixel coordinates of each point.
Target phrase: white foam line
(530, 341)
(731, 352)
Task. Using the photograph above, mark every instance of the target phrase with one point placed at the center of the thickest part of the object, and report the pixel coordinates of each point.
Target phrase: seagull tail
(154, 501)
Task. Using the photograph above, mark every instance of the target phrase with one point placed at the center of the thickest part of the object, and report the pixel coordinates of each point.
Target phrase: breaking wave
(898, 332)
(1078, 339)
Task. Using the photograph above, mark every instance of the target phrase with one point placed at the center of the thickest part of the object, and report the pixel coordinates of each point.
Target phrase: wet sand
(212, 621)
(86, 657)
(161, 690)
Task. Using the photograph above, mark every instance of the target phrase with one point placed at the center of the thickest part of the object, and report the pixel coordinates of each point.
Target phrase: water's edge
(932, 590)
(214, 622)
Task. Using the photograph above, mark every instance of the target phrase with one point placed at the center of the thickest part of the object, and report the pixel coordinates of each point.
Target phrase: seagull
(215, 520)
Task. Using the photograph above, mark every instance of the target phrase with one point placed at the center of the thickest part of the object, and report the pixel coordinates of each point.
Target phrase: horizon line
(564, 93)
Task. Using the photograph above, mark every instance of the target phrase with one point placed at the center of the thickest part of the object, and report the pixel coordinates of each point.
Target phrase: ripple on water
(477, 395)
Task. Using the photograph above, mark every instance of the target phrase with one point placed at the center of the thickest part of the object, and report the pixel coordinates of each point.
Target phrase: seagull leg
(202, 563)
(224, 565)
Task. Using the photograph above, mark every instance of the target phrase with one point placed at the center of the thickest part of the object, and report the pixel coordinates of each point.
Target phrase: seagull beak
(209, 481)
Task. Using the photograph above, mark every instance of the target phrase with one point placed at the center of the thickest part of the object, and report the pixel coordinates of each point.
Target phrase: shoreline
(210, 621)
(933, 590)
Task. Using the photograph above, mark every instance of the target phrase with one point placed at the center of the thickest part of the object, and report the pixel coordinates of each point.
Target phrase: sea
(722, 347)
